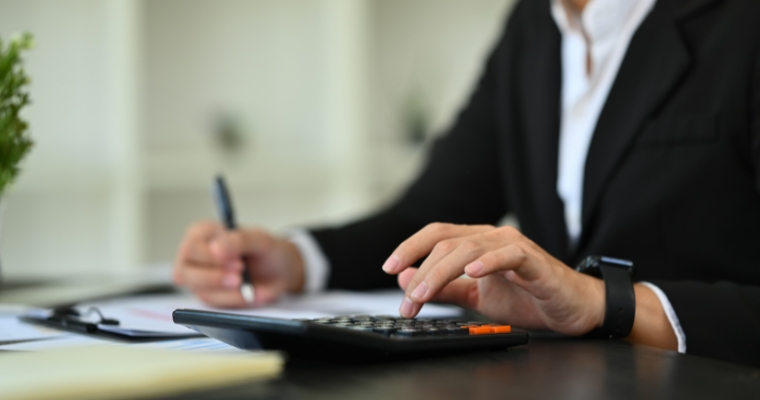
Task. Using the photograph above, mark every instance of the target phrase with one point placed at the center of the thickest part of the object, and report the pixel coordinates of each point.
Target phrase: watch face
(616, 261)
(591, 265)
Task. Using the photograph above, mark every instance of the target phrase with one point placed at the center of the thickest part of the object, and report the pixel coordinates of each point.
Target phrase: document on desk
(12, 330)
(199, 344)
(154, 313)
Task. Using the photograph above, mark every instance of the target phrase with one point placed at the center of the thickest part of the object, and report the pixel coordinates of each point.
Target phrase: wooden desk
(548, 368)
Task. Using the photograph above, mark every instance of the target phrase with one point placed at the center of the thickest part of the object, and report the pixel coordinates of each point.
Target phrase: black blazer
(672, 179)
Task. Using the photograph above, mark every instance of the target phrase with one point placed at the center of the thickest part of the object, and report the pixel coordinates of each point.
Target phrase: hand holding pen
(215, 261)
(227, 214)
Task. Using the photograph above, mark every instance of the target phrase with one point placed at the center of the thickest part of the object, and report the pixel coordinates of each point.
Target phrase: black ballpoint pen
(226, 213)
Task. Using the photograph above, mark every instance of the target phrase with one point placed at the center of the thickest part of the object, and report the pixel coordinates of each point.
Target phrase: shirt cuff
(316, 267)
(671, 314)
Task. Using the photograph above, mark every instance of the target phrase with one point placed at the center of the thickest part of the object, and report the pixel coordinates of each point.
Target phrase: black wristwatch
(620, 299)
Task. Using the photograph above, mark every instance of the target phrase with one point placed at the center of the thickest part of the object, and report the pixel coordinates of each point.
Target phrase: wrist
(651, 326)
(593, 304)
(600, 303)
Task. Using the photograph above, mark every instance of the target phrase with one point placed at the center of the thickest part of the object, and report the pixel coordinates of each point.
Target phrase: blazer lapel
(655, 61)
(541, 84)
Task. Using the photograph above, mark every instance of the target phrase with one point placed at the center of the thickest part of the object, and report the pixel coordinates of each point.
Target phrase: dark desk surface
(548, 368)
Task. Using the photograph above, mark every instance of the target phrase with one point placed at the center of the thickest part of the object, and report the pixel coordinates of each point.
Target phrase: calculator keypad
(406, 327)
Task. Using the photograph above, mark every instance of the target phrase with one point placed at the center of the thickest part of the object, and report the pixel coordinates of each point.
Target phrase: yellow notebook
(97, 372)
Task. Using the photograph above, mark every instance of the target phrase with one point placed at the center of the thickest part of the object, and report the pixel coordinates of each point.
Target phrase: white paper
(154, 313)
(203, 344)
(13, 330)
(194, 344)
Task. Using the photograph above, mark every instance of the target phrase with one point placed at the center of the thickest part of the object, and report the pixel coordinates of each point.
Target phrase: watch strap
(620, 310)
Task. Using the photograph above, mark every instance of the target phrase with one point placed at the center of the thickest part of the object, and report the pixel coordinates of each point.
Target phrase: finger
(184, 267)
(406, 276)
(228, 247)
(462, 292)
(421, 243)
(519, 263)
(434, 275)
(203, 230)
(198, 253)
(194, 247)
(202, 277)
(232, 298)
(222, 298)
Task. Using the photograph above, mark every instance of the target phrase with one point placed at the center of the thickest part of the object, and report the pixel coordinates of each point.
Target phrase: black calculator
(351, 337)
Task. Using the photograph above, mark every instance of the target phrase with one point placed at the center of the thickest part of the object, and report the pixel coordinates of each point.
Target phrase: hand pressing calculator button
(352, 337)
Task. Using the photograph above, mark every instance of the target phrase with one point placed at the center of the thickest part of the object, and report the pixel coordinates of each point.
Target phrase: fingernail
(420, 291)
(231, 281)
(474, 268)
(391, 263)
(406, 307)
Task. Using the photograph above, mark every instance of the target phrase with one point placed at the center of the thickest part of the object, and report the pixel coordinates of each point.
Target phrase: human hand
(509, 279)
(209, 263)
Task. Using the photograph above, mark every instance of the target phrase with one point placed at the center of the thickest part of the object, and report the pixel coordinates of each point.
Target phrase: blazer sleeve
(722, 319)
(461, 183)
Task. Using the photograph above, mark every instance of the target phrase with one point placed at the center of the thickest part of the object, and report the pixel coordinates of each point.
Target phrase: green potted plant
(14, 96)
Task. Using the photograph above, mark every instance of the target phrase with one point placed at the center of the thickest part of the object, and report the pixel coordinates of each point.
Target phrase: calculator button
(436, 332)
(410, 332)
(361, 328)
(384, 331)
(458, 331)
(480, 330)
(501, 329)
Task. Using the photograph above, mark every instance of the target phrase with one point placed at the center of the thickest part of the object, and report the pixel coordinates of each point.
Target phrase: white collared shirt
(601, 35)
(594, 43)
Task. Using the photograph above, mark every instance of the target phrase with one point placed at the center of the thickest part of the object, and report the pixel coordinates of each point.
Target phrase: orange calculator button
(480, 330)
(500, 328)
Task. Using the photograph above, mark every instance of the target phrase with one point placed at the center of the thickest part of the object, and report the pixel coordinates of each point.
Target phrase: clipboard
(70, 320)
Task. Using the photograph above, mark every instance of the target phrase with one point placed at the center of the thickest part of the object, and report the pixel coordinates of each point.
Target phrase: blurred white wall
(133, 99)
(61, 217)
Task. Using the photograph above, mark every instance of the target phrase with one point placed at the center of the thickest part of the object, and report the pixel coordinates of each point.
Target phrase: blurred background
(317, 111)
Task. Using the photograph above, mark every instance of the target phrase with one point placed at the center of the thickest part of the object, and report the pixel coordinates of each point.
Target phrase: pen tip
(246, 290)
